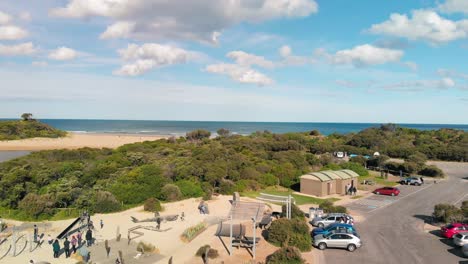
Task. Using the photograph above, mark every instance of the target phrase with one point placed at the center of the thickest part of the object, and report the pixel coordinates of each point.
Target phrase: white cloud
(200, 20)
(121, 29)
(151, 55)
(63, 53)
(454, 6)
(240, 73)
(246, 59)
(24, 49)
(285, 51)
(12, 33)
(424, 25)
(25, 16)
(363, 55)
(421, 85)
(39, 63)
(4, 18)
(452, 74)
(345, 83)
(411, 65)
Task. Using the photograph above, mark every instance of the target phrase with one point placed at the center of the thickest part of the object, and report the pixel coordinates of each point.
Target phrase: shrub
(222, 132)
(207, 191)
(356, 167)
(145, 247)
(314, 132)
(105, 202)
(35, 205)
(190, 188)
(296, 212)
(227, 187)
(431, 171)
(212, 253)
(171, 192)
(464, 208)
(447, 213)
(268, 179)
(190, 233)
(152, 205)
(198, 134)
(294, 232)
(328, 207)
(285, 255)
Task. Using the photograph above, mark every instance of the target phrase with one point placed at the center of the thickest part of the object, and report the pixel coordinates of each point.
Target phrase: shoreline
(75, 140)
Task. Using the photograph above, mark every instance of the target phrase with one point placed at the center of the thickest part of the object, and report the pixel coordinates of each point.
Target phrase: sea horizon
(180, 128)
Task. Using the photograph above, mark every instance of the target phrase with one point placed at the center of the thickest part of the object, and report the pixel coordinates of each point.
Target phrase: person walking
(102, 223)
(73, 242)
(80, 239)
(354, 190)
(89, 237)
(422, 180)
(49, 239)
(36, 233)
(66, 247)
(56, 248)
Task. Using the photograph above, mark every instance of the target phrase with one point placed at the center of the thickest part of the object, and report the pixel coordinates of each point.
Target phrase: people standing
(79, 239)
(102, 223)
(56, 248)
(422, 180)
(73, 242)
(89, 237)
(66, 247)
(49, 239)
(36, 233)
(354, 190)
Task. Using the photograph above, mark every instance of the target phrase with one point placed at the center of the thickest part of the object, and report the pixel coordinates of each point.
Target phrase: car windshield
(450, 226)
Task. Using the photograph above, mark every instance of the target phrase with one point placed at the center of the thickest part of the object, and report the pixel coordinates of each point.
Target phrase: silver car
(328, 219)
(460, 239)
(465, 250)
(337, 240)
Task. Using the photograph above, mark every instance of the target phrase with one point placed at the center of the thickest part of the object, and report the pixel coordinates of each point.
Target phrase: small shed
(325, 183)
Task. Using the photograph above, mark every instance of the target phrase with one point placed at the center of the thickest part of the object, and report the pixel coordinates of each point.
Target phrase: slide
(68, 229)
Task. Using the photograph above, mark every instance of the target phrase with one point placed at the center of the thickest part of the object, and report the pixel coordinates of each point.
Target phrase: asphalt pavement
(393, 229)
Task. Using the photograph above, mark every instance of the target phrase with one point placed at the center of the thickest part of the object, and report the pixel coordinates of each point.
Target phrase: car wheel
(393, 194)
(351, 247)
(322, 246)
(378, 193)
(321, 225)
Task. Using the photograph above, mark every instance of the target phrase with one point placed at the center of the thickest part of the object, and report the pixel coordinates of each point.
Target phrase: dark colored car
(387, 191)
(336, 227)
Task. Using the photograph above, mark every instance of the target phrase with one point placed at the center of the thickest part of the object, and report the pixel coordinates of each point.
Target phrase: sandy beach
(76, 140)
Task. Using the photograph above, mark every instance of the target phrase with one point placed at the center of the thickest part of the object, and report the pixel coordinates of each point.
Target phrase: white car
(460, 239)
(337, 240)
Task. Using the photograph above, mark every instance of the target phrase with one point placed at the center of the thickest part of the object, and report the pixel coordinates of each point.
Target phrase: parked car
(450, 230)
(460, 239)
(337, 240)
(411, 181)
(335, 227)
(387, 191)
(329, 219)
(465, 250)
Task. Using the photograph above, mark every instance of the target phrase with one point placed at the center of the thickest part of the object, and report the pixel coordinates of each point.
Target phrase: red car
(387, 191)
(450, 230)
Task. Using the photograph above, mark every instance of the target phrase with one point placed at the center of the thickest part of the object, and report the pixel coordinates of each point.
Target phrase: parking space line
(400, 198)
(460, 199)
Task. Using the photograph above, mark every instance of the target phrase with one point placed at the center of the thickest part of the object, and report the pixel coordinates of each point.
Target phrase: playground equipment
(287, 200)
(169, 218)
(66, 231)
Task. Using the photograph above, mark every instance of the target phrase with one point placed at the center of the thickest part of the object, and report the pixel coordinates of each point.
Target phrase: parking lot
(374, 202)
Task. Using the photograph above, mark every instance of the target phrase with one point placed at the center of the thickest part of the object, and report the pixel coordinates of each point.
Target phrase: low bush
(448, 213)
(212, 253)
(294, 232)
(431, 171)
(190, 189)
(171, 192)
(152, 205)
(464, 208)
(328, 207)
(285, 255)
(105, 202)
(296, 212)
(190, 233)
(356, 167)
(145, 247)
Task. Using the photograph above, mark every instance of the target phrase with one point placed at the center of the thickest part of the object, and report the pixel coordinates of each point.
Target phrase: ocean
(179, 128)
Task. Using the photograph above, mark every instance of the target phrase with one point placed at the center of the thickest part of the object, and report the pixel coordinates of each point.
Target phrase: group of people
(345, 220)
(72, 245)
(350, 189)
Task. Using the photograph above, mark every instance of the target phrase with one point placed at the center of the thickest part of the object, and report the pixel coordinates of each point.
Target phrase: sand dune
(76, 140)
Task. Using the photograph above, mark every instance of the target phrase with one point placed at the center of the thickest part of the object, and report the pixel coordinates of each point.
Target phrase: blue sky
(246, 60)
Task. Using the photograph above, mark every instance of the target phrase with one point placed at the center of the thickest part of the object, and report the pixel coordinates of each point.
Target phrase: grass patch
(190, 233)
(375, 177)
(300, 199)
(357, 197)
